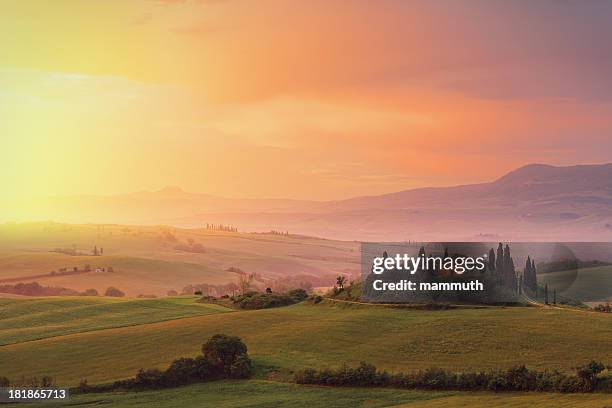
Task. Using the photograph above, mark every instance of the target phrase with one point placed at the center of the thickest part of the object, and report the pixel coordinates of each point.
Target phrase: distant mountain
(534, 202)
(531, 184)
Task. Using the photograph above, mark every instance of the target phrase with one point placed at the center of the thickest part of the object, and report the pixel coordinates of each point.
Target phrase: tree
(534, 276)
(268, 290)
(95, 251)
(589, 373)
(223, 351)
(546, 293)
(527, 271)
(340, 281)
(114, 292)
(499, 262)
(241, 367)
(491, 263)
(530, 281)
(90, 292)
(245, 281)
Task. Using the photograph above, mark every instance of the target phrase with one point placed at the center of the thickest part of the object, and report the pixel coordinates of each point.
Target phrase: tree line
(587, 378)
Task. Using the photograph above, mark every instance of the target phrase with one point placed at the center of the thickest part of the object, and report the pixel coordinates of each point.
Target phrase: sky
(319, 99)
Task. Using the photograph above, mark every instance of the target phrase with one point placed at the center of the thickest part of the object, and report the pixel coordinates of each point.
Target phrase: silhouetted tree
(340, 281)
(491, 260)
(499, 262)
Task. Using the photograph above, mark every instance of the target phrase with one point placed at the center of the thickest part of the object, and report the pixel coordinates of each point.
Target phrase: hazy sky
(310, 99)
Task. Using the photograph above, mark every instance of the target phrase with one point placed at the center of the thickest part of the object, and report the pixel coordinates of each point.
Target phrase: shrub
(497, 382)
(297, 295)
(520, 379)
(241, 367)
(222, 351)
(114, 292)
(255, 300)
(181, 371)
(588, 374)
(151, 378)
(46, 381)
(4, 382)
(514, 379)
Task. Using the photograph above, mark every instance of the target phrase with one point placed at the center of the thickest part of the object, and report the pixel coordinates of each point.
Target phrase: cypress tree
(499, 262)
(491, 260)
(534, 275)
(509, 275)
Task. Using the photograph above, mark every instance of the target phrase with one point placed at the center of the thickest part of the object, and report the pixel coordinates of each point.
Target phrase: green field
(38, 318)
(264, 394)
(284, 339)
(587, 284)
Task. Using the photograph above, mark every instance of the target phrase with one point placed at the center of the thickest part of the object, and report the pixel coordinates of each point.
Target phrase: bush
(151, 378)
(181, 371)
(297, 295)
(222, 357)
(254, 300)
(520, 379)
(497, 382)
(514, 379)
(4, 382)
(114, 292)
(588, 374)
(241, 367)
(47, 381)
(222, 351)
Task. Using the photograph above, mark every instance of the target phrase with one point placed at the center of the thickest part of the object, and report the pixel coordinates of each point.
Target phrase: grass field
(106, 339)
(264, 394)
(304, 335)
(38, 318)
(146, 261)
(587, 284)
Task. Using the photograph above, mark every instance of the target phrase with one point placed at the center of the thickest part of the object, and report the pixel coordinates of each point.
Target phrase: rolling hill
(38, 318)
(154, 260)
(264, 394)
(303, 335)
(534, 202)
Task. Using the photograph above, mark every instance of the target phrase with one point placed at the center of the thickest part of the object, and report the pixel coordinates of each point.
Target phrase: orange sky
(279, 98)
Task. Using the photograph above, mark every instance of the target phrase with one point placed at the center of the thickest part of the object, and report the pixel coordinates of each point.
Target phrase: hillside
(303, 335)
(534, 202)
(155, 260)
(38, 318)
(264, 394)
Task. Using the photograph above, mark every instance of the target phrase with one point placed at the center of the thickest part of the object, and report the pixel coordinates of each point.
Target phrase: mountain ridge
(536, 201)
